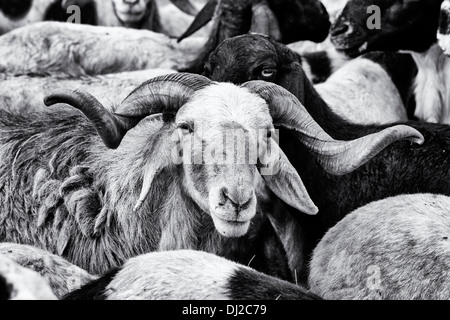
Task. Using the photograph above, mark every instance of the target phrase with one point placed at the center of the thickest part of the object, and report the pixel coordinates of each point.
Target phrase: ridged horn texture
(163, 94)
(186, 6)
(336, 157)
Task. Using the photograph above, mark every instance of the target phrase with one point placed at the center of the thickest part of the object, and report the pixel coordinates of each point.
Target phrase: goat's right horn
(335, 156)
(163, 94)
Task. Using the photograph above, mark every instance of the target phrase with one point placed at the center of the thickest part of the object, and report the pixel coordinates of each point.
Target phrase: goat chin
(231, 229)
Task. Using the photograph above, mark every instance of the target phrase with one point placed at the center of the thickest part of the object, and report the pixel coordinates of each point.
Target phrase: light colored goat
(362, 92)
(66, 49)
(397, 248)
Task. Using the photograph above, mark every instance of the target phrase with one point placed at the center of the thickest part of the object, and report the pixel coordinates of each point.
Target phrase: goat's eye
(268, 72)
(185, 127)
(269, 134)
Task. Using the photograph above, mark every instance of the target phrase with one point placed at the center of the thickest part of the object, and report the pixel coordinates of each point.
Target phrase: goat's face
(221, 173)
(386, 25)
(224, 136)
(254, 57)
(130, 11)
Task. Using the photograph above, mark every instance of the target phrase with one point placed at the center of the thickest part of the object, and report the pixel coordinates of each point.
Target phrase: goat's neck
(431, 82)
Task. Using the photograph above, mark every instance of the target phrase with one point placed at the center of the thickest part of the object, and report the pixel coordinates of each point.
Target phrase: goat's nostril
(339, 29)
(238, 200)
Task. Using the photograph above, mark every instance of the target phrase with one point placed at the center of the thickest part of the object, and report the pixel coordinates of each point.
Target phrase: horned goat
(394, 249)
(409, 26)
(63, 190)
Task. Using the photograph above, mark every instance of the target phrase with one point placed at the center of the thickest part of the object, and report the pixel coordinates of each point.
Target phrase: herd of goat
(348, 196)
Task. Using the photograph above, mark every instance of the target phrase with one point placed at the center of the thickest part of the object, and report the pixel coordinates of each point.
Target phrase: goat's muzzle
(232, 209)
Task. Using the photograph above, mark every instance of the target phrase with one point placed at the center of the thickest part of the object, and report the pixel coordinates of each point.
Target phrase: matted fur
(87, 213)
(63, 191)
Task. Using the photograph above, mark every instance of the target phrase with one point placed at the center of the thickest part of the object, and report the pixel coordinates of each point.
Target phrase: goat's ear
(163, 155)
(264, 20)
(283, 180)
(292, 79)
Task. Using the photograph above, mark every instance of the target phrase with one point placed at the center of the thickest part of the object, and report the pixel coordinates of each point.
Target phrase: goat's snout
(232, 209)
(341, 28)
(239, 198)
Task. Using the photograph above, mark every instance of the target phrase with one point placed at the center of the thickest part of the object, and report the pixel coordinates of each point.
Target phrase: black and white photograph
(225, 154)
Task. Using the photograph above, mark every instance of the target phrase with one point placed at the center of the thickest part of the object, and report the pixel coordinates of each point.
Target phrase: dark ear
(290, 71)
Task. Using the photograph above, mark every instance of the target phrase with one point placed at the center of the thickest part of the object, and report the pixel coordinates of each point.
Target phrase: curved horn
(337, 157)
(186, 6)
(163, 94)
(203, 17)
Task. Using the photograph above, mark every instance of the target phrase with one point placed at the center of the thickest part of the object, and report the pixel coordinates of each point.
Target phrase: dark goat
(409, 25)
(262, 58)
(402, 168)
(406, 25)
(286, 20)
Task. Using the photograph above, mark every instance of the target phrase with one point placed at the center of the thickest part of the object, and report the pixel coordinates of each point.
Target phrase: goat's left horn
(335, 156)
(186, 6)
(163, 94)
